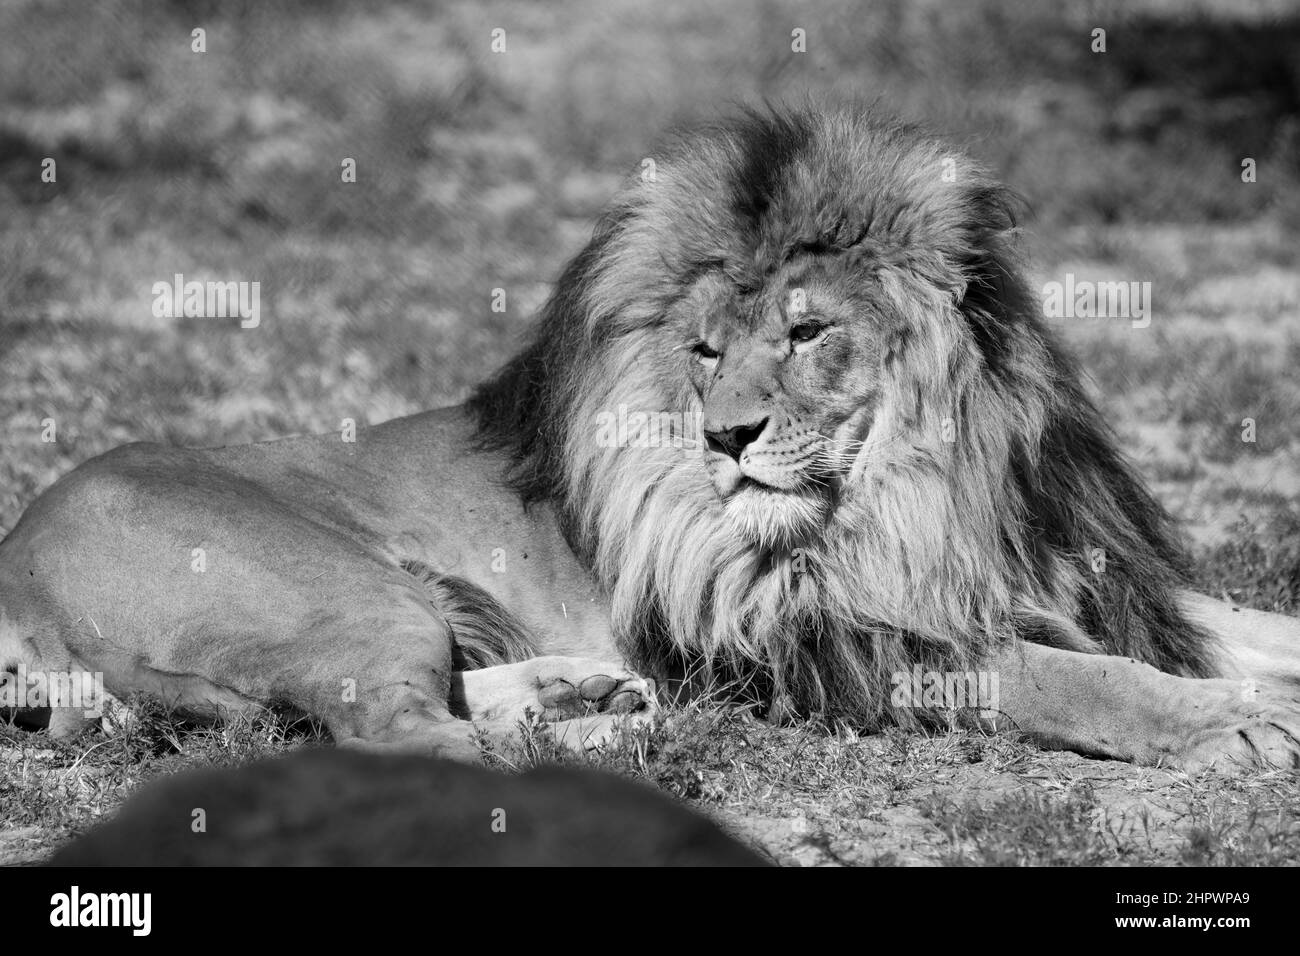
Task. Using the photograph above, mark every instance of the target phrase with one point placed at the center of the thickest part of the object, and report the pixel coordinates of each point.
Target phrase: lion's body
(273, 573)
(894, 468)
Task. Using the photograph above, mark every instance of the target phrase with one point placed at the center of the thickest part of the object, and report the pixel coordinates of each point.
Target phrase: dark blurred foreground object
(342, 808)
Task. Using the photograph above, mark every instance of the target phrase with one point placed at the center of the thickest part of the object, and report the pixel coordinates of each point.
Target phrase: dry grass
(805, 794)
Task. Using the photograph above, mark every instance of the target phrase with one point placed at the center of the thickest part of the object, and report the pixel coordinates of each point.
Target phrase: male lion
(898, 469)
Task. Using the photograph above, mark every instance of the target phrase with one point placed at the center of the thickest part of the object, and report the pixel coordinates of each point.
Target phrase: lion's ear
(994, 296)
(990, 214)
(993, 207)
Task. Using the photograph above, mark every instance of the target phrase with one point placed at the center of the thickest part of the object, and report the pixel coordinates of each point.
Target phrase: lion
(876, 464)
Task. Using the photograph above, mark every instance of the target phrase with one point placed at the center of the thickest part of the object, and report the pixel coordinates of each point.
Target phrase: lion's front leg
(1121, 708)
(584, 700)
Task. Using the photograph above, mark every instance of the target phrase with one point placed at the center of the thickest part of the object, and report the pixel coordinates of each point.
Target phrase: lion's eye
(707, 356)
(805, 332)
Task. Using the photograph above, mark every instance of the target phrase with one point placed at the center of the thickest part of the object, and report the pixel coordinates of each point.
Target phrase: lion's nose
(732, 441)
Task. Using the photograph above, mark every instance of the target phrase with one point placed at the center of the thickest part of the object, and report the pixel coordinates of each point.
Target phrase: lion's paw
(557, 689)
(563, 697)
(1263, 737)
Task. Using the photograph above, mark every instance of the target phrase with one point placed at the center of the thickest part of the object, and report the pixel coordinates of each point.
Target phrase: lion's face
(806, 312)
(787, 373)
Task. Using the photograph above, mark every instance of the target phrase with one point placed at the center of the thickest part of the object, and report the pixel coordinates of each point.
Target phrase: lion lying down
(789, 418)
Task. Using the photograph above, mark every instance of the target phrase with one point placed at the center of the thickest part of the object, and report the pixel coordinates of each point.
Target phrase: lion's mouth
(740, 483)
(746, 482)
(768, 516)
(748, 487)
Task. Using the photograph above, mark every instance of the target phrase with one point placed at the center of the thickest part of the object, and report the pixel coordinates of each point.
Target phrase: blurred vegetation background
(479, 170)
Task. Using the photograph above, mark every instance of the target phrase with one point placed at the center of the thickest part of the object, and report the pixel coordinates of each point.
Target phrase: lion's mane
(938, 550)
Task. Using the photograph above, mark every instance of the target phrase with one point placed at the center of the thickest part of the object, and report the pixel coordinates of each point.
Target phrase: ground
(479, 172)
